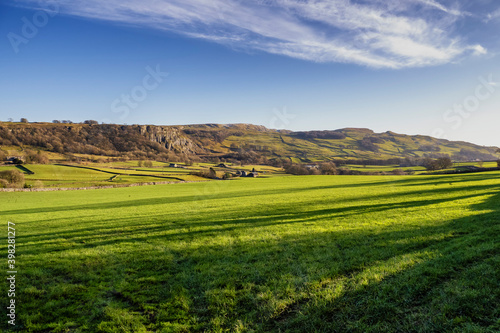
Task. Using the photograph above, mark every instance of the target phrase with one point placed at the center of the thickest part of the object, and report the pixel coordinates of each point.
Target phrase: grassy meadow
(89, 174)
(52, 175)
(279, 254)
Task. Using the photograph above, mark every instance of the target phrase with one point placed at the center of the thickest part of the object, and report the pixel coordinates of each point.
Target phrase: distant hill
(235, 141)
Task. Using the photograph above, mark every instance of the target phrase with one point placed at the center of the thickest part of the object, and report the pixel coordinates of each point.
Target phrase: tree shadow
(427, 278)
(456, 288)
(162, 226)
(221, 193)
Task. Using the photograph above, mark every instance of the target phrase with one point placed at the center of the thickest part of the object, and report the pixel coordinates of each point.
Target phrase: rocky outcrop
(171, 138)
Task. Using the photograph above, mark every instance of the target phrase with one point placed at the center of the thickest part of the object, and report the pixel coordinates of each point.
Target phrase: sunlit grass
(312, 253)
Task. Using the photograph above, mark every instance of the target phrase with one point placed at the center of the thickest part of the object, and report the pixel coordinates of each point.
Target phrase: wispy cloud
(437, 5)
(493, 16)
(376, 33)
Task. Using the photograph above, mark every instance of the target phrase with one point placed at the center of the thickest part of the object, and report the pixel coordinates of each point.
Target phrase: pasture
(122, 173)
(52, 175)
(384, 168)
(296, 254)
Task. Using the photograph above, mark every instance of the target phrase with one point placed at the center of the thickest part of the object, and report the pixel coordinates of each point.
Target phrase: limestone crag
(170, 137)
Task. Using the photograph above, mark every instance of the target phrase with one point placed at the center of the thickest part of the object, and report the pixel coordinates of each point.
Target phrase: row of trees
(25, 121)
(328, 168)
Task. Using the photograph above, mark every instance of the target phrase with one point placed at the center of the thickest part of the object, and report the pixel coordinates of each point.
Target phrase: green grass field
(60, 176)
(476, 164)
(289, 254)
(383, 168)
(71, 177)
(122, 173)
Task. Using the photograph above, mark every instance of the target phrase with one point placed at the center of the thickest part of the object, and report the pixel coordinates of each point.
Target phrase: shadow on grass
(162, 226)
(431, 278)
(457, 288)
(389, 180)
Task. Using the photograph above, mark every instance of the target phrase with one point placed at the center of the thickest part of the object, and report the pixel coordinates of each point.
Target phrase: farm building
(312, 166)
(15, 160)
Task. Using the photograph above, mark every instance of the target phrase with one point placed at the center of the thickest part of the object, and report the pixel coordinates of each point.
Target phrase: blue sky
(426, 67)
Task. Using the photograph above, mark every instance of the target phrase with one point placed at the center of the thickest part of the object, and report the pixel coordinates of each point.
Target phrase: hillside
(343, 144)
(246, 142)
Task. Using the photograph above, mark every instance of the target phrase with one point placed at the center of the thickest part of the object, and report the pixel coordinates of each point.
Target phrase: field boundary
(118, 173)
(24, 169)
(50, 189)
(471, 170)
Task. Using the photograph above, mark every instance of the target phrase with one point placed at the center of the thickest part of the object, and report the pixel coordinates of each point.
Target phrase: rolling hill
(235, 141)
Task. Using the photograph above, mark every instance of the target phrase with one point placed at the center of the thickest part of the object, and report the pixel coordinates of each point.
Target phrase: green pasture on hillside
(280, 254)
(46, 175)
(476, 164)
(382, 168)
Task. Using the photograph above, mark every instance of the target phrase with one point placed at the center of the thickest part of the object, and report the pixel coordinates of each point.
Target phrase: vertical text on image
(11, 272)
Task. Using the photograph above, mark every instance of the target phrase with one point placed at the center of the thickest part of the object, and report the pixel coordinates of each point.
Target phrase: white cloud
(493, 16)
(478, 50)
(437, 5)
(377, 33)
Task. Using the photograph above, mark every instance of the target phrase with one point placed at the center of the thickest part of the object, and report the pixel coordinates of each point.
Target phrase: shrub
(398, 172)
(314, 171)
(438, 164)
(368, 143)
(14, 178)
(296, 169)
(36, 157)
(344, 171)
(38, 184)
(206, 173)
(328, 168)
(212, 173)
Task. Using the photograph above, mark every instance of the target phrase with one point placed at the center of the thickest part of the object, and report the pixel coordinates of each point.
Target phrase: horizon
(419, 68)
